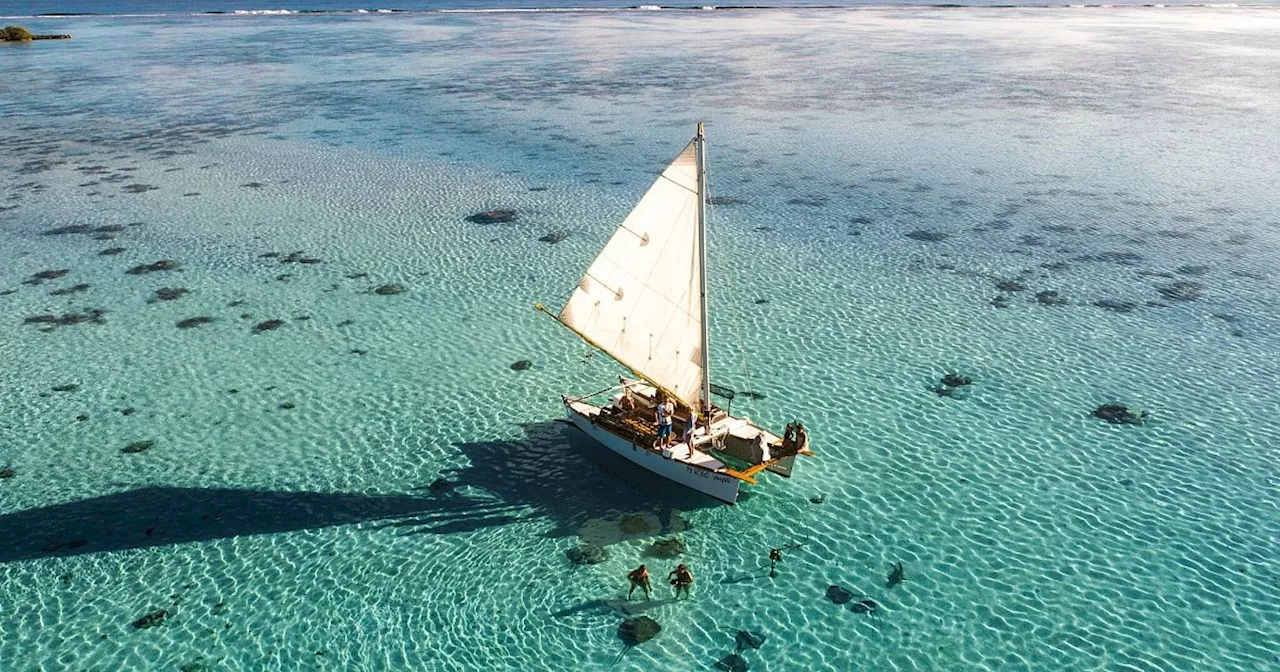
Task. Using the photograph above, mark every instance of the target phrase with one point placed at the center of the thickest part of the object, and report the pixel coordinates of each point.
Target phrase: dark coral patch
(192, 322)
(69, 230)
(1116, 306)
(162, 265)
(1182, 291)
(928, 236)
(138, 447)
(493, 217)
(1050, 298)
(93, 315)
(75, 289)
(725, 200)
(299, 257)
(38, 278)
(268, 325)
(151, 620)
(170, 293)
(1119, 414)
(1122, 258)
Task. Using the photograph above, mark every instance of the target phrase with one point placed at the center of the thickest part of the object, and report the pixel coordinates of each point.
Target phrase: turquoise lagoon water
(879, 173)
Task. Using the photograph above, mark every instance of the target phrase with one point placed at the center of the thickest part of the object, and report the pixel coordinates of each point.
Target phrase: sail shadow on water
(162, 516)
(556, 472)
(545, 475)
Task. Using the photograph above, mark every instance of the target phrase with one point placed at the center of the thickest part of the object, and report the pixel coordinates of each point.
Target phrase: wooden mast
(699, 146)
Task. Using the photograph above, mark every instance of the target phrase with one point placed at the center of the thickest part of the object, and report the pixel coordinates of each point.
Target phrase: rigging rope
(730, 281)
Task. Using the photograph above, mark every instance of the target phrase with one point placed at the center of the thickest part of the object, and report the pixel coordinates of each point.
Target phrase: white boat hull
(720, 486)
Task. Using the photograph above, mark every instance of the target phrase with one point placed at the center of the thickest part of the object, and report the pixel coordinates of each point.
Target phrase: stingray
(895, 575)
(733, 663)
(866, 606)
(637, 631)
(838, 595)
(745, 639)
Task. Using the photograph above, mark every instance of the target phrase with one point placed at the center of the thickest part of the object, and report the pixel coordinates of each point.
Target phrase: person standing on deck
(665, 410)
(689, 428)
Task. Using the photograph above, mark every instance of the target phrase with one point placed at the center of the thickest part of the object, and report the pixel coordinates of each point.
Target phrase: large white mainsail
(640, 299)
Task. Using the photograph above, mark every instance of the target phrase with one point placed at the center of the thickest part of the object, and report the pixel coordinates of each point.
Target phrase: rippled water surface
(1071, 208)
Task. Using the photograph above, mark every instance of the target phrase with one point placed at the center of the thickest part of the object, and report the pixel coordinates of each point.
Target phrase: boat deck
(640, 431)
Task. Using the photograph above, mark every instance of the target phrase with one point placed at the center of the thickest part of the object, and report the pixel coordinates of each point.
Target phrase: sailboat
(643, 301)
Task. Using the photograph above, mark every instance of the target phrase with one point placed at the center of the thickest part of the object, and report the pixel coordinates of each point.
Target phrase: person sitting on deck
(794, 439)
(665, 411)
(626, 404)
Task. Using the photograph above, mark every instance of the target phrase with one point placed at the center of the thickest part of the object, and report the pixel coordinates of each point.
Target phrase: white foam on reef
(530, 10)
(525, 10)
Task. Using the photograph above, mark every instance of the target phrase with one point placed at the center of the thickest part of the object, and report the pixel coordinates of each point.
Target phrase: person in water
(683, 579)
(665, 411)
(639, 577)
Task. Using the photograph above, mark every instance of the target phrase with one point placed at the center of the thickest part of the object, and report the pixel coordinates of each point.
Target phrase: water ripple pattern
(260, 410)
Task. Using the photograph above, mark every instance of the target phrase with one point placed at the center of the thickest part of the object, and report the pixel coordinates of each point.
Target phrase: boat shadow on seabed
(558, 473)
(552, 473)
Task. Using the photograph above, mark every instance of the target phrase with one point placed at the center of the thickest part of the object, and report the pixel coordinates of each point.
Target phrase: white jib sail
(639, 300)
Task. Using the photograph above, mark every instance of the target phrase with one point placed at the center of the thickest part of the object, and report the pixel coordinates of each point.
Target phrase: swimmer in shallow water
(639, 577)
(683, 580)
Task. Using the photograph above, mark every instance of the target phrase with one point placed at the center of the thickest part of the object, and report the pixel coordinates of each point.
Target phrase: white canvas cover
(639, 299)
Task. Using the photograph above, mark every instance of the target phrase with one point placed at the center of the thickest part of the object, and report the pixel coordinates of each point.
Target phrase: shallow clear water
(889, 169)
